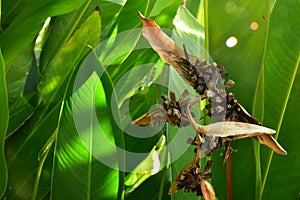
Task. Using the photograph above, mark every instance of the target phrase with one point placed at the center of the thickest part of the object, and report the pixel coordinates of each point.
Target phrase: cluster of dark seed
(191, 75)
(211, 74)
(219, 144)
(192, 178)
(204, 76)
(175, 114)
(201, 76)
(215, 85)
(232, 107)
(236, 112)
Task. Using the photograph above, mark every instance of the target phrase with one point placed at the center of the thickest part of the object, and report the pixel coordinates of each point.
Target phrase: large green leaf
(256, 62)
(63, 26)
(24, 149)
(20, 111)
(68, 58)
(87, 139)
(282, 80)
(79, 145)
(120, 53)
(189, 32)
(61, 29)
(4, 116)
(34, 138)
(18, 72)
(243, 62)
(22, 100)
(27, 23)
(132, 69)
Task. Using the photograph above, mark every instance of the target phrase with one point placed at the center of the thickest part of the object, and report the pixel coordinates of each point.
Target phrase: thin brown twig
(229, 174)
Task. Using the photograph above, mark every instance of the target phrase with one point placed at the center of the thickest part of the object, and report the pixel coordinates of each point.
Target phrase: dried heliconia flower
(202, 76)
(230, 120)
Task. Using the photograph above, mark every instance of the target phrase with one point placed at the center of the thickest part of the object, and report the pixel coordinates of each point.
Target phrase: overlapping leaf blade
(76, 162)
(74, 50)
(243, 62)
(31, 138)
(61, 29)
(14, 41)
(23, 149)
(282, 76)
(4, 116)
(21, 104)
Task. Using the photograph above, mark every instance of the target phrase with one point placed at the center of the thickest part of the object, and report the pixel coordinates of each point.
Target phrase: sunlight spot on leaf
(52, 84)
(120, 2)
(254, 26)
(142, 88)
(231, 42)
(42, 34)
(71, 154)
(156, 163)
(188, 28)
(231, 7)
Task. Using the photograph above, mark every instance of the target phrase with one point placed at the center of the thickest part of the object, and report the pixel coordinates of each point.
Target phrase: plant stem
(206, 29)
(257, 170)
(228, 174)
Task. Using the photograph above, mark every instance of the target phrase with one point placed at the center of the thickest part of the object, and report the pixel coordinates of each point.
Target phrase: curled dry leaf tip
(269, 141)
(159, 41)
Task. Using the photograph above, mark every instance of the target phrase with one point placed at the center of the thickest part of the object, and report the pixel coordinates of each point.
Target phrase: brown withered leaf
(207, 190)
(264, 139)
(236, 130)
(241, 115)
(233, 130)
(159, 41)
(270, 142)
(174, 187)
(186, 65)
(239, 130)
(155, 116)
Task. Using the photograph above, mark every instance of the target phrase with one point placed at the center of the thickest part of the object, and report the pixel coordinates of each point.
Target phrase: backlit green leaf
(69, 57)
(27, 24)
(4, 115)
